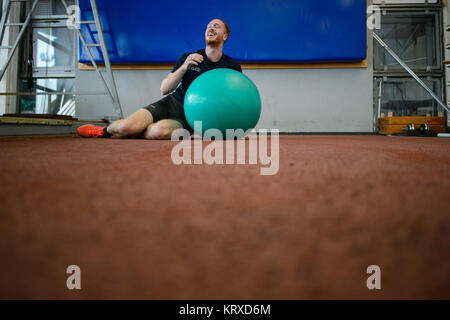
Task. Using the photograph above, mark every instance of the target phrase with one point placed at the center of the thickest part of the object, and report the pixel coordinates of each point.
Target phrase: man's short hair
(227, 29)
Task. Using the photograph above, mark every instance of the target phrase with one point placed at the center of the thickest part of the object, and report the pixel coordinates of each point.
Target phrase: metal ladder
(408, 69)
(111, 90)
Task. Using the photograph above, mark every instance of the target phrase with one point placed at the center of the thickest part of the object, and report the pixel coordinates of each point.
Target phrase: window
(48, 62)
(53, 50)
(51, 8)
(48, 103)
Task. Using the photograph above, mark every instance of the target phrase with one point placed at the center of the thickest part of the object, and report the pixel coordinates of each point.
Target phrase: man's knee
(158, 132)
(127, 128)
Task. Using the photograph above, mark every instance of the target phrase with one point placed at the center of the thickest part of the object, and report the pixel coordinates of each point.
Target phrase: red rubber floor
(140, 227)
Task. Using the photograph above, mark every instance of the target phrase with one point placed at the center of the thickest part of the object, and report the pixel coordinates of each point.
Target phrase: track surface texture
(141, 227)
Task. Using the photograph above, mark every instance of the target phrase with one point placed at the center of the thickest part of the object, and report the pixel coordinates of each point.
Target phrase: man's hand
(173, 79)
(193, 59)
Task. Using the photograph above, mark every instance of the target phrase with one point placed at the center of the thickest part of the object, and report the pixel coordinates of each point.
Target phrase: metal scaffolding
(408, 69)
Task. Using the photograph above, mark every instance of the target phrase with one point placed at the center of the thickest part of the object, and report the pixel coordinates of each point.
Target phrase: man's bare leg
(162, 129)
(132, 125)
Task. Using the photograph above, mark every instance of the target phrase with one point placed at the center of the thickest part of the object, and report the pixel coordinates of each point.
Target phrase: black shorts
(169, 108)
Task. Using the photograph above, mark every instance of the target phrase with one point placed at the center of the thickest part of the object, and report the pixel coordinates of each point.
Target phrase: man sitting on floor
(160, 119)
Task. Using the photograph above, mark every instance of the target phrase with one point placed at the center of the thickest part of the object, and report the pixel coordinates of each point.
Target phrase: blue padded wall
(155, 31)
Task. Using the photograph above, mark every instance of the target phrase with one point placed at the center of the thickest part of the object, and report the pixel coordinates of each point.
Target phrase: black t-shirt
(195, 71)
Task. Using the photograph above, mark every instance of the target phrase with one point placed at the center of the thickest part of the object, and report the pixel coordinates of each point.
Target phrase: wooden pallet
(394, 125)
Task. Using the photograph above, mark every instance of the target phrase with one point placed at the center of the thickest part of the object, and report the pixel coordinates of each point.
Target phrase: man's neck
(214, 53)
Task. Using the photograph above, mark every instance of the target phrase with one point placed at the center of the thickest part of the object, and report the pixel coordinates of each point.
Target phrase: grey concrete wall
(293, 100)
(315, 100)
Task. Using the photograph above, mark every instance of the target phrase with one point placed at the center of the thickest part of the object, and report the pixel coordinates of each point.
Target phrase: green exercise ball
(222, 99)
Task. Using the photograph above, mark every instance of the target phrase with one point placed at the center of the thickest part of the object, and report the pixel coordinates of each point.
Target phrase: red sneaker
(90, 131)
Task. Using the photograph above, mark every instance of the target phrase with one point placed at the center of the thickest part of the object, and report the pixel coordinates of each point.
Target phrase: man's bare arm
(171, 82)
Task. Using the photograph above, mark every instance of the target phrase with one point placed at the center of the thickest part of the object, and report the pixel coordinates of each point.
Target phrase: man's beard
(213, 42)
